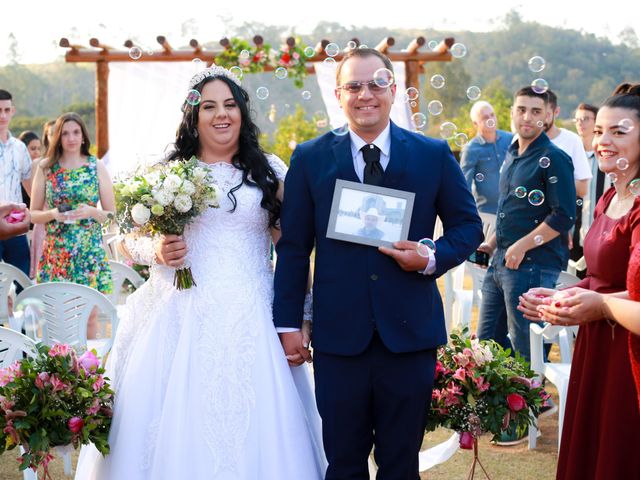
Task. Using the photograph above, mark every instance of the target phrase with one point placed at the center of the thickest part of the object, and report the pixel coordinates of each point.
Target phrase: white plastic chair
(8, 275)
(556, 373)
(12, 346)
(458, 311)
(566, 279)
(121, 272)
(63, 310)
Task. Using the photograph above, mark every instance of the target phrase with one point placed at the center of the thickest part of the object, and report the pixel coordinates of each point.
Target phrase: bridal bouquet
(479, 388)
(52, 400)
(164, 199)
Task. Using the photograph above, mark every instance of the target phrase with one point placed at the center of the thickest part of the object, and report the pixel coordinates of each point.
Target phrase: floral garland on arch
(292, 56)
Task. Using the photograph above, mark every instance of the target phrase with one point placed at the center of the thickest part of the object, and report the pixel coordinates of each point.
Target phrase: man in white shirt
(15, 169)
(571, 144)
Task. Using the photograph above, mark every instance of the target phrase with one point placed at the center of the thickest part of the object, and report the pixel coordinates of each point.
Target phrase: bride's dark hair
(250, 158)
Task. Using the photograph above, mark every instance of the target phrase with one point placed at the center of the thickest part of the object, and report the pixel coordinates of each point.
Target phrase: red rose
(466, 440)
(75, 424)
(286, 58)
(516, 402)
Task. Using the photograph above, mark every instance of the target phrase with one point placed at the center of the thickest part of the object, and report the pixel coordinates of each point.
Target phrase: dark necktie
(372, 169)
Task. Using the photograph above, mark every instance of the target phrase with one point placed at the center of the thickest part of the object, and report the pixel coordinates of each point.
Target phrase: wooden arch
(102, 54)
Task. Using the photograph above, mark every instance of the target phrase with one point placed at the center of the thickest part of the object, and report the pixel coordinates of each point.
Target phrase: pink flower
(439, 369)
(89, 362)
(6, 376)
(460, 374)
(59, 350)
(461, 359)
(57, 384)
(466, 440)
(75, 424)
(521, 380)
(98, 384)
(481, 384)
(296, 55)
(94, 408)
(42, 380)
(516, 402)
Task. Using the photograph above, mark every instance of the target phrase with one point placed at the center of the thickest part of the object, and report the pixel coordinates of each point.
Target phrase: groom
(377, 313)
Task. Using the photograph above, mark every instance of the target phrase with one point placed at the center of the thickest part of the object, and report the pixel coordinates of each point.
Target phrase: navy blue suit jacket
(355, 287)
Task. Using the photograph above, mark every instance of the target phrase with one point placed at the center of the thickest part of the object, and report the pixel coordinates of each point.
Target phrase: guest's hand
(81, 212)
(514, 255)
(530, 301)
(18, 224)
(294, 349)
(573, 306)
(171, 251)
(486, 248)
(405, 253)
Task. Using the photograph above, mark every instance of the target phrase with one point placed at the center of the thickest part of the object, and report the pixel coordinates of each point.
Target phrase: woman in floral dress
(67, 186)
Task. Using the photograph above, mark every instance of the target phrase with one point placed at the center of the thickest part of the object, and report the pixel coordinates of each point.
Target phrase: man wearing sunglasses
(377, 313)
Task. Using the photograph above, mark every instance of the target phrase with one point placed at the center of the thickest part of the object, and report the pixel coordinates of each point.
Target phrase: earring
(195, 133)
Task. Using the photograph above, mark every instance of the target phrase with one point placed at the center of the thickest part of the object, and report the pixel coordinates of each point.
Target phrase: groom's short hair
(362, 52)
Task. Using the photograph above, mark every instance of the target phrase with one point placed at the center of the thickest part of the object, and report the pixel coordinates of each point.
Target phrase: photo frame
(369, 215)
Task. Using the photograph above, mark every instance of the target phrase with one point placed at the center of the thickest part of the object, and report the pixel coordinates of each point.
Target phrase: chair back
(63, 310)
(13, 345)
(8, 275)
(121, 272)
(566, 280)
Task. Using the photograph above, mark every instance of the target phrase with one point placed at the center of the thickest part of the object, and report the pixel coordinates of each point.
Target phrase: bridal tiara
(213, 71)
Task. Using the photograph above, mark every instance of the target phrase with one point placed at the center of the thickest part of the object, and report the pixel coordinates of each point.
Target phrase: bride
(203, 389)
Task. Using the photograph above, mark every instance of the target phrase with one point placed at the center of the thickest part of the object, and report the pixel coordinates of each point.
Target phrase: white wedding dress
(203, 390)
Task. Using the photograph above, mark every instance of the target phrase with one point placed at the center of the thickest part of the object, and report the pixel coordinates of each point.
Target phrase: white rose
(172, 182)
(188, 188)
(152, 178)
(163, 197)
(182, 203)
(199, 173)
(140, 214)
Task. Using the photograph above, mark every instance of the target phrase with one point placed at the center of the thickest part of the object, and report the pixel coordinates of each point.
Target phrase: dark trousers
(376, 398)
(15, 251)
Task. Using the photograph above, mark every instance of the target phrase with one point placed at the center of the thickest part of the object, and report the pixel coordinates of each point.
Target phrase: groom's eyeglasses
(374, 87)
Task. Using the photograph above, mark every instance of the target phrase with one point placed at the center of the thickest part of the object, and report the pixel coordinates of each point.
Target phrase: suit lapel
(398, 158)
(342, 154)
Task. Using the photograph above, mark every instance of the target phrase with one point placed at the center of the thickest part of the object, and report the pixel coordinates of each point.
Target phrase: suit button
(374, 277)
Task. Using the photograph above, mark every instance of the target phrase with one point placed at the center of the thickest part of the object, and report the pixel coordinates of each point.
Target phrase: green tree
(292, 129)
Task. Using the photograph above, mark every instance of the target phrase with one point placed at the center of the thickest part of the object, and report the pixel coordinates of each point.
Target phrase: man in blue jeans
(482, 157)
(15, 170)
(536, 209)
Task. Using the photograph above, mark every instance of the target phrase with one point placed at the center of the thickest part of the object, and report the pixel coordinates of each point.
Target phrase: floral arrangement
(480, 388)
(292, 56)
(164, 199)
(251, 59)
(54, 399)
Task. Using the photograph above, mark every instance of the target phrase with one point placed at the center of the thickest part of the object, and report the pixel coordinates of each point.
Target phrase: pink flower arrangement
(480, 388)
(54, 399)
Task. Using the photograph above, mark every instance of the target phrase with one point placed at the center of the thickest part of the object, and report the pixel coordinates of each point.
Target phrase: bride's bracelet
(307, 314)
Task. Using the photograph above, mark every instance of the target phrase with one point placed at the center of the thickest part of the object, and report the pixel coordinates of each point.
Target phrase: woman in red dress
(602, 419)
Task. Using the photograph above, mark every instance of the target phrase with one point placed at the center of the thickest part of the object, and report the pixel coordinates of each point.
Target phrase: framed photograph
(369, 215)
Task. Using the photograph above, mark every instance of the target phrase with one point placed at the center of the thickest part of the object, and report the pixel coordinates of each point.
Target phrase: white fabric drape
(326, 76)
(144, 109)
